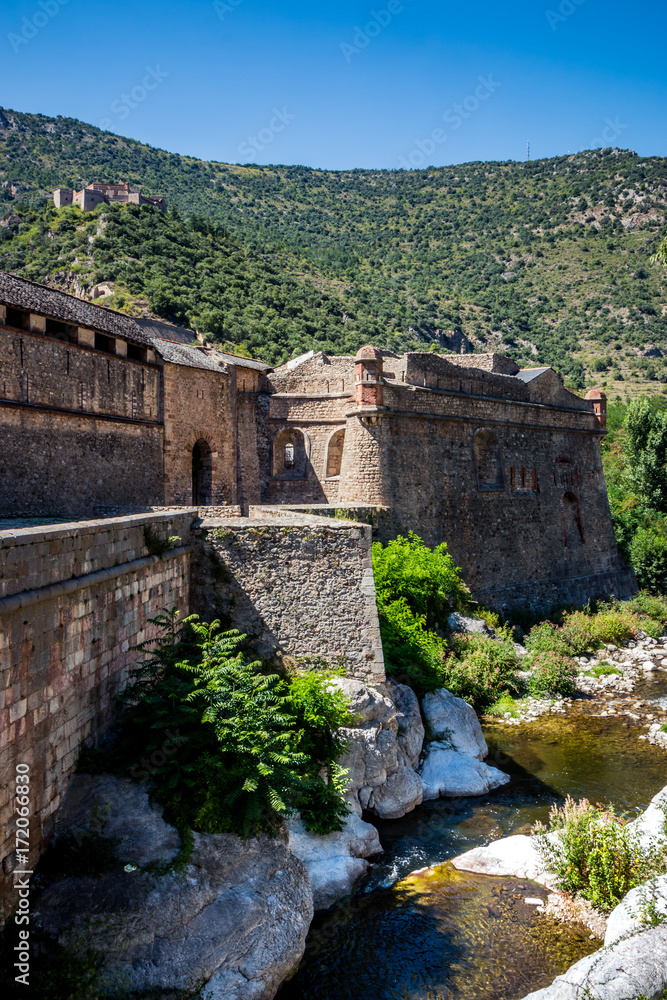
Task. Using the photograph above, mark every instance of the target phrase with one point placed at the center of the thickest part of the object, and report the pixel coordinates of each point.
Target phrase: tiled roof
(236, 359)
(156, 328)
(23, 294)
(182, 354)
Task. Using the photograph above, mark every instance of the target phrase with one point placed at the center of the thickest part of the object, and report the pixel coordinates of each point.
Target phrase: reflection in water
(449, 934)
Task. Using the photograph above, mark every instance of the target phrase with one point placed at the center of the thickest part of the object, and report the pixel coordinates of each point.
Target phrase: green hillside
(546, 260)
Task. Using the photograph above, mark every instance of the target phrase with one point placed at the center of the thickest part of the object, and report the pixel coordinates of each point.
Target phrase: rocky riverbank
(633, 960)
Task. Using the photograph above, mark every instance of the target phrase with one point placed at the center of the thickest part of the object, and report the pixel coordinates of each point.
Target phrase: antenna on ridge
(528, 148)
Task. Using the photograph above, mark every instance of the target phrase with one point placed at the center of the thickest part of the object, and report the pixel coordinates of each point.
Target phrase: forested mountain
(546, 260)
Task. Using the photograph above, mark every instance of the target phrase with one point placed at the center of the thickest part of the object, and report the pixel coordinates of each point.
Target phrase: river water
(446, 935)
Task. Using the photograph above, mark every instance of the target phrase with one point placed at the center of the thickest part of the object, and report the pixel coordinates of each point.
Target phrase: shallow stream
(446, 934)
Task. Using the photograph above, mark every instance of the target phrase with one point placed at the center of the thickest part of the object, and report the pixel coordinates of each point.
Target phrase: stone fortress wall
(504, 465)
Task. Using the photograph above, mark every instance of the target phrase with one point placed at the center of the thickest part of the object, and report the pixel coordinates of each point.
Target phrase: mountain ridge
(547, 260)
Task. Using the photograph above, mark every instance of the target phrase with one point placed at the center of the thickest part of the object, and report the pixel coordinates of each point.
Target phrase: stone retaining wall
(74, 600)
(300, 586)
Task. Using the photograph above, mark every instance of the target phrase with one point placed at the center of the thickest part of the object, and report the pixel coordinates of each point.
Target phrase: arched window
(573, 531)
(488, 462)
(202, 473)
(290, 454)
(335, 453)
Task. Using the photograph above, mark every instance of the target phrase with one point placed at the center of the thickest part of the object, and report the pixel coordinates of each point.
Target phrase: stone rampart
(300, 586)
(74, 600)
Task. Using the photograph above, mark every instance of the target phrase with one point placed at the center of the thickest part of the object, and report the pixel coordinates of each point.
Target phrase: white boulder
(651, 825)
(335, 861)
(235, 918)
(512, 856)
(448, 773)
(452, 719)
(631, 913)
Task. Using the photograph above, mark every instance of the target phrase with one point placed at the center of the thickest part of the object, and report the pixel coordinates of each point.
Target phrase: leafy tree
(225, 746)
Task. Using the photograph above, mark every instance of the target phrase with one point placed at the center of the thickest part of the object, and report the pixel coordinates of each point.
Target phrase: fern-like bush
(596, 854)
(225, 746)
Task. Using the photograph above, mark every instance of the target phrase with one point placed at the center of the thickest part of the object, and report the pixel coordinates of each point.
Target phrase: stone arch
(202, 473)
(573, 530)
(290, 451)
(335, 453)
(488, 461)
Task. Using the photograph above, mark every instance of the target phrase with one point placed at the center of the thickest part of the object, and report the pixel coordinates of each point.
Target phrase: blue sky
(348, 83)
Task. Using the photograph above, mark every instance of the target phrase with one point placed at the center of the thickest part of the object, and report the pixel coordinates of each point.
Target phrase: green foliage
(552, 673)
(407, 569)
(225, 746)
(645, 446)
(480, 670)
(603, 670)
(596, 854)
(648, 555)
(413, 654)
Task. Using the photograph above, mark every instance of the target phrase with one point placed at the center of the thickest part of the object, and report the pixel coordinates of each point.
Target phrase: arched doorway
(202, 473)
(335, 454)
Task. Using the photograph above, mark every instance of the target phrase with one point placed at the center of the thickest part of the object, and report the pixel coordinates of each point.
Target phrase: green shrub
(412, 653)
(649, 606)
(648, 554)
(480, 670)
(425, 578)
(552, 673)
(596, 854)
(547, 637)
(615, 623)
(226, 747)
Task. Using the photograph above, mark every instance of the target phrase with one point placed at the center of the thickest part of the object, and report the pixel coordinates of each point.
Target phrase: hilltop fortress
(195, 479)
(97, 194)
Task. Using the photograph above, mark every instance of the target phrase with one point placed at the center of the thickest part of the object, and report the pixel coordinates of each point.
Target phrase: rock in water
(453, 719)
(450, 774)
(517, 856)
(335, 861)
(383, 748)
(236, 917)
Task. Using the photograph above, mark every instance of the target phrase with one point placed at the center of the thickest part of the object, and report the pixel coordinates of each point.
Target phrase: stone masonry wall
(78, 427)
(74, 599)
(299, 586)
